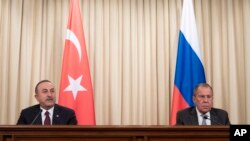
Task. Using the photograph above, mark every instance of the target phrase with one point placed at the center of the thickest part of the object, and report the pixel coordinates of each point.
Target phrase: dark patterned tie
(204, 117)
(47, 119)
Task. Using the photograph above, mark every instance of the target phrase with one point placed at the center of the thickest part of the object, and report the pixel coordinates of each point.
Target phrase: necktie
(47, 119)
(204, 117)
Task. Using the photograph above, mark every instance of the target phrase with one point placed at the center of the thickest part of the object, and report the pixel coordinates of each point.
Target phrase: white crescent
(70, 35)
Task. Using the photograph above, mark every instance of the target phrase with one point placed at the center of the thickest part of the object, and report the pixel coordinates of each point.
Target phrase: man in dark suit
(203, 113)
(46, 112)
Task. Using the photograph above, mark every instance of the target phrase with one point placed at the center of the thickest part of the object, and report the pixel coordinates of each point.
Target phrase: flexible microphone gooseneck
(38, 114)
(217, 123)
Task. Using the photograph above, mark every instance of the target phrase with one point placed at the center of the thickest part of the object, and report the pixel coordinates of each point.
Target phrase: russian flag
(189, 68)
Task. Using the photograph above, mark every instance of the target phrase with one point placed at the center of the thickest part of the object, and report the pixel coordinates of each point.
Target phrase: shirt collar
(50, 110)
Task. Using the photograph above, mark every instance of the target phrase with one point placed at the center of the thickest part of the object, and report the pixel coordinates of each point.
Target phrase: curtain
(132, 46)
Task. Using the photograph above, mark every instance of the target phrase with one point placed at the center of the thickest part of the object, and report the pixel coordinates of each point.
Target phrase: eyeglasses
(209, 97)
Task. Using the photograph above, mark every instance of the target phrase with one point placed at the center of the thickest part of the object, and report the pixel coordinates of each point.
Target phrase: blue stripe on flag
(189, 70)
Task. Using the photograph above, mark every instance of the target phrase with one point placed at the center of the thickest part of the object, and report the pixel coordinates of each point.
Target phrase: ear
(194, 100)
(36, 96)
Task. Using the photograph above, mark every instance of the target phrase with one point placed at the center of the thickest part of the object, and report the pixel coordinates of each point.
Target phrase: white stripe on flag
(188, 26)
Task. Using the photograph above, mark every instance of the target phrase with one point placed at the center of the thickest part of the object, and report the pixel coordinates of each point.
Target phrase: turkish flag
(75, 87)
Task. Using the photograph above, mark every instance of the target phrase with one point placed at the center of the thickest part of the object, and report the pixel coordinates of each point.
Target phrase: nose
(50, 94)
(205, 99)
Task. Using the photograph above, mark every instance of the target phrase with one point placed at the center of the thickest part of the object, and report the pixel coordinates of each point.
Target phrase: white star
(75, 86)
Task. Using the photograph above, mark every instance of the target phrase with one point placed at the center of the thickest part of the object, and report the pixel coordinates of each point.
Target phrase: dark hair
(202, 85)
(42, 81)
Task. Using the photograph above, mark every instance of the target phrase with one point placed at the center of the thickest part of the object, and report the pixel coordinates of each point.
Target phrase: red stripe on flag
(176, 106)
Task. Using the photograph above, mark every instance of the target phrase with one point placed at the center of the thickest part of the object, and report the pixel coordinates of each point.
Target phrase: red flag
(75, 86)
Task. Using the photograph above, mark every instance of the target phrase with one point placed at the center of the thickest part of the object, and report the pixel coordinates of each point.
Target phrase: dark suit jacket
(188, 116)
(61, 116)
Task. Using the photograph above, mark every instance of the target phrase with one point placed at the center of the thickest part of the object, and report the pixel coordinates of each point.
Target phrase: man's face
(203, 99)
(46, 95)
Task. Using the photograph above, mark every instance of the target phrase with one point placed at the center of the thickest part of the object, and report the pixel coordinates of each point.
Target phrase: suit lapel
(214, 117)
(194, 118)
(56, 114)
(37, 121)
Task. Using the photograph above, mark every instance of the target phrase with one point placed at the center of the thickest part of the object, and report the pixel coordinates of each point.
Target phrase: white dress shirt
(200, 118)
(51, 111)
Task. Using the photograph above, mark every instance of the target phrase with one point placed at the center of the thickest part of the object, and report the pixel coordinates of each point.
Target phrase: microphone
(33, 121)
(217, 123)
